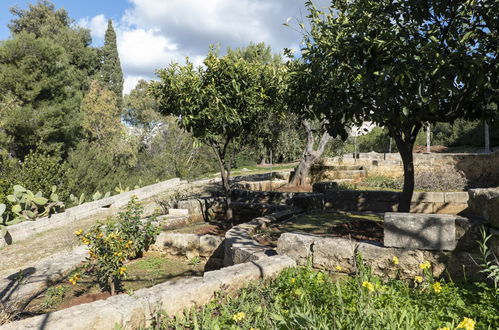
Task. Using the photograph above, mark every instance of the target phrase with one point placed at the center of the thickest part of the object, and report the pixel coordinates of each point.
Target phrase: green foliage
(110, 73)
(141, 108)
(142, 233)
(221, 104)
(40, 172)
(490, 263)
(110, 246)
(29, 206)
(380, 181)
(300, 298)
(36, 74)
(399, 65)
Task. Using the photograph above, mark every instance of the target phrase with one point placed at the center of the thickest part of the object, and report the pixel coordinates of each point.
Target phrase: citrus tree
(401, 64)
(221, 104)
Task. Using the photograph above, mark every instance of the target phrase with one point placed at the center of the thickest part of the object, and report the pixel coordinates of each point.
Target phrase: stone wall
(27, 229)
(172, 298)
(387, 201)
(478, 168)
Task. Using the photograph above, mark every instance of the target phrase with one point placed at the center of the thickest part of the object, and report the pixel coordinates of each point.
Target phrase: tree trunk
(487, 138)
(225, 175)
(302, 171)
(112, 287)
(428, 138)
(405, 147)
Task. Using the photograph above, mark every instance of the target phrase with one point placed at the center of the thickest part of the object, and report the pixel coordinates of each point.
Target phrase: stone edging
(137, 310)
(28, 229)
(240, 247)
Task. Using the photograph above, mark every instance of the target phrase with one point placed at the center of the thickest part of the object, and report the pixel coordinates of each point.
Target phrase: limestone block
(420, 231)
(380, 259)
(296, 246)
(422, 207)
(208, 244)
(178, 212)
(321, 187)
(428, 197)
(449, 208)
(313, 201)
(460, 197)
(329, 252)
(485, 202)
(177, 243)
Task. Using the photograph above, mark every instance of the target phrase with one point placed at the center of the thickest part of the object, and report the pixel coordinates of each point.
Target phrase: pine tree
(111, 74)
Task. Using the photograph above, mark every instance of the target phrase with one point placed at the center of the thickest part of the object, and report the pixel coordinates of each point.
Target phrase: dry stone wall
(477, 168)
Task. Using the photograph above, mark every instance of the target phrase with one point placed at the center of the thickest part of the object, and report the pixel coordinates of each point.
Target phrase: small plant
(111, 246)
(119, 189)
(490, 263)
(54, 296)
(381, 181)
(77, 200)
(108, 252)
(98, 195)
(142, 233)
(28, 206)
(195, 261)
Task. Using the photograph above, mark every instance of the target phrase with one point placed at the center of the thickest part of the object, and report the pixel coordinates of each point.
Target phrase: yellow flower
(292, 280)
(368, 285)
(418, 279)
(122, 270)
(437, 287)
(444, 328)
(466, 323)
(117, 253)
(74, 279)
(101, 235)
(395, 260)
(338, 268)
(425, 265)
(239, 316)
(128, 244)
(85, 241)
(78, 232)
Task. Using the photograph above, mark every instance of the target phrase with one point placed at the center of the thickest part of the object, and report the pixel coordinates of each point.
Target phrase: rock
(311, 201)
(296, 246)
(420, 231)
(330, 252)
(380, 259)
(208, 244)
(485, 202)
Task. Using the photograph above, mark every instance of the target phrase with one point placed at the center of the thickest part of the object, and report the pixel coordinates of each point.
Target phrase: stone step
(178, 212)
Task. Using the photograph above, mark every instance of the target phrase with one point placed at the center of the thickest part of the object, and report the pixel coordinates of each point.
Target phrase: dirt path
(26, 253)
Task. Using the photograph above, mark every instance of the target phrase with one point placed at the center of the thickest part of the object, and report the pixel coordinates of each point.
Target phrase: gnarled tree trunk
(302, 171)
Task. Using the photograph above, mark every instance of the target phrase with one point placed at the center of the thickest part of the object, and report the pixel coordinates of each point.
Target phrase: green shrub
(381, 181)
(112, 245)
(301, 298)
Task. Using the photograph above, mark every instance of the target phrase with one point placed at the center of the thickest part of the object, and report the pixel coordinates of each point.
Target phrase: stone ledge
(136, 311)
(17, 289)
(28, 229)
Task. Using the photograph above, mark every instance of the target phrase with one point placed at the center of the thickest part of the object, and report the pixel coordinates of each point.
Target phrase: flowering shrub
(111, 246)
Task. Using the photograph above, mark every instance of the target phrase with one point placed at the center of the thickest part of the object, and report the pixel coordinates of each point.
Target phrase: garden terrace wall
(28, 229)
(485, 202)
(358, 200)
(387, 201)
(138, 310)
(478, 168)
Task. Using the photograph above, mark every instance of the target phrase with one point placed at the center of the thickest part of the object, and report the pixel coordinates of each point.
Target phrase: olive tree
(401, 64)
(221, 103)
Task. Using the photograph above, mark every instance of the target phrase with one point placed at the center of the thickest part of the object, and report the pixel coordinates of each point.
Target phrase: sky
(153, 33)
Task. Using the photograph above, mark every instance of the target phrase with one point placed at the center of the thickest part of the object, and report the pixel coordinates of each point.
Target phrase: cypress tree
(111, 74)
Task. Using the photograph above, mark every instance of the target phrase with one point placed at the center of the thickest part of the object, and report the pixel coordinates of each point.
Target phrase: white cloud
(152, 33)
(97, 25)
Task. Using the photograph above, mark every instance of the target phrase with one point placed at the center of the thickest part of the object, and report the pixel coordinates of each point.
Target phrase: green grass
(321, 223)
(301, 298)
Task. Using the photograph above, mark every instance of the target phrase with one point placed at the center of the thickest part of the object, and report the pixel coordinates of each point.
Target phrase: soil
(359, 226)
(436, 148)
(303, 188)
(153, 268)
(88, 298)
